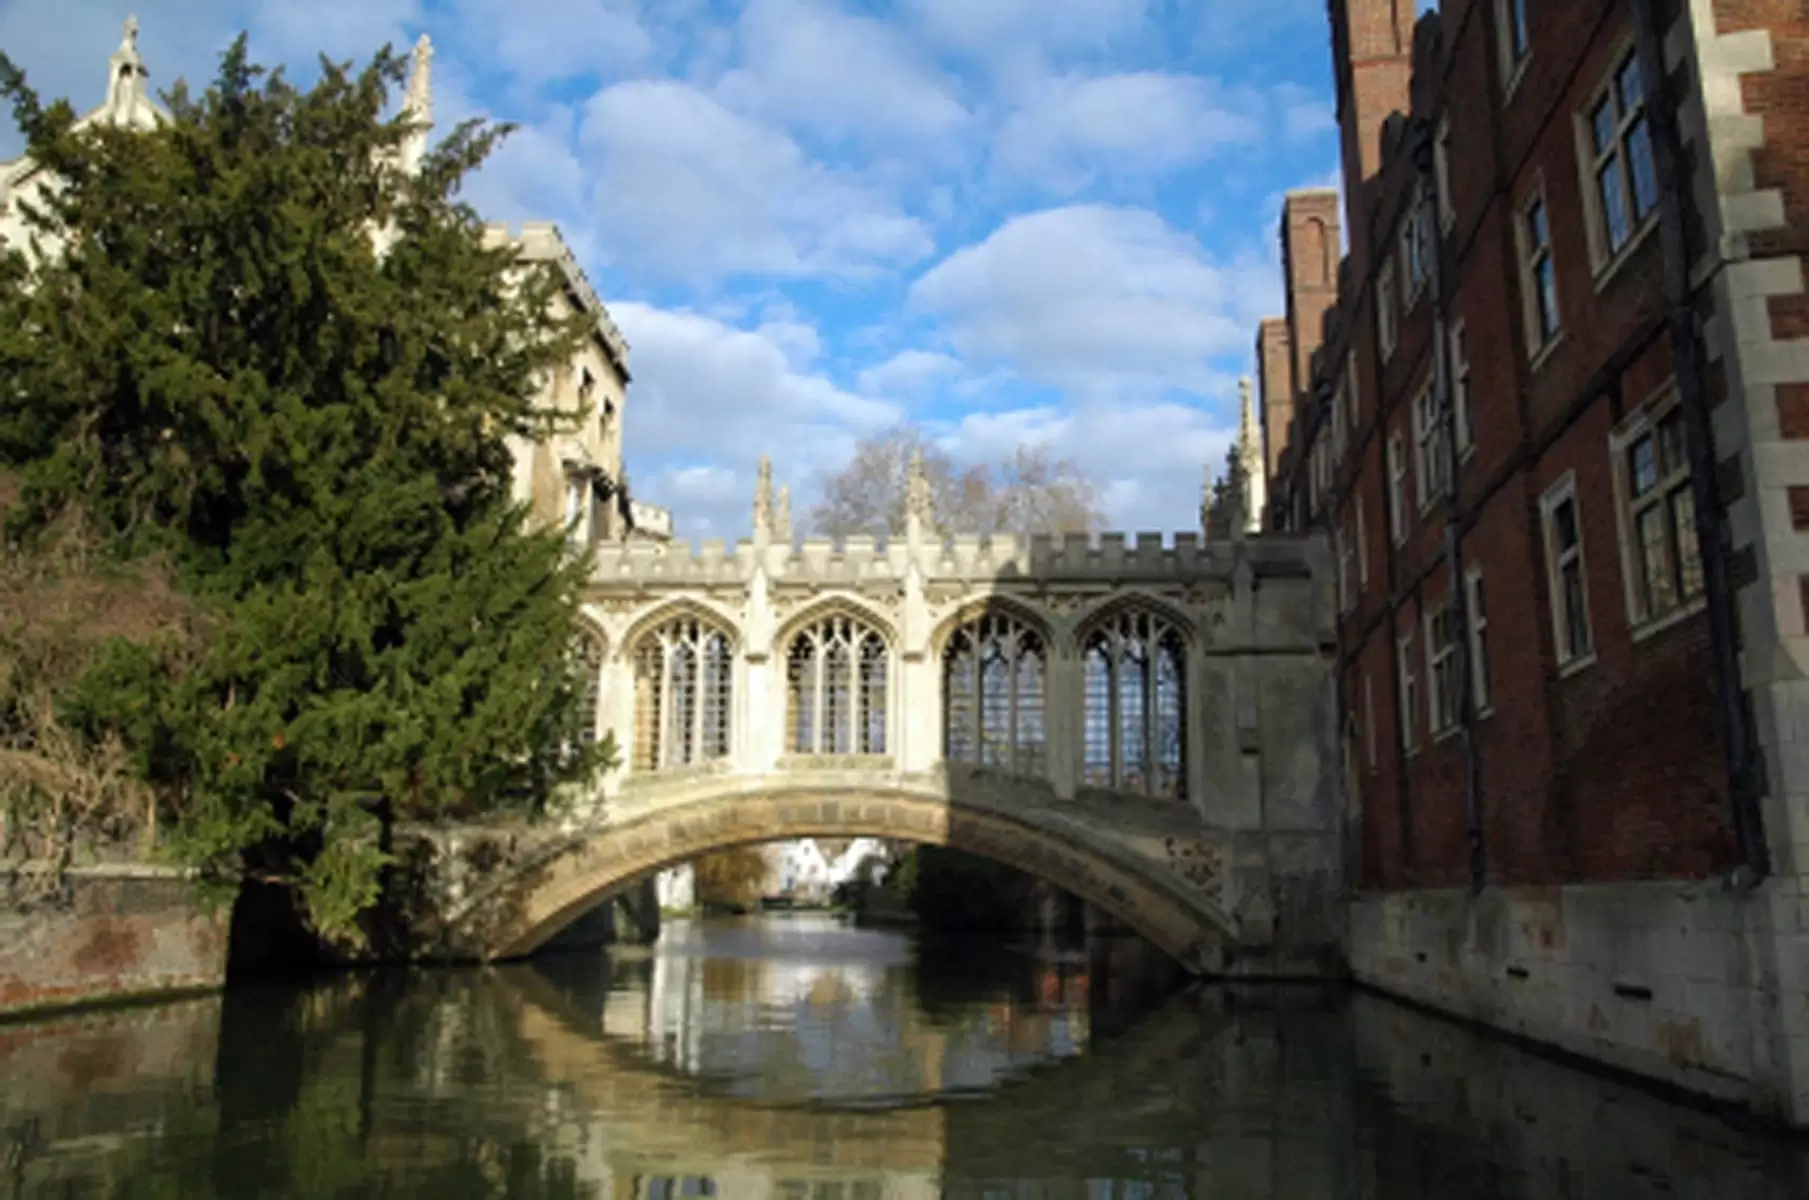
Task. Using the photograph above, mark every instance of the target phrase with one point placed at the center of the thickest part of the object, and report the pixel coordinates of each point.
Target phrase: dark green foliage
(956, 892)
(215, 358)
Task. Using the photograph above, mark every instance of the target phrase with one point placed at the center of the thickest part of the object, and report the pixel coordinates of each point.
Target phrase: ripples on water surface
(800, 1059)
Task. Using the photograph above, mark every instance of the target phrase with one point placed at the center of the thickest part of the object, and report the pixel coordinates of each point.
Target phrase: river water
(799, 1058)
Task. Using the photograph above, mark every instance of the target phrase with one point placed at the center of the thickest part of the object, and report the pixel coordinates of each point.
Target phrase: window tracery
(836, 672)
(1135, 708)
(994, 687)
(683, 681)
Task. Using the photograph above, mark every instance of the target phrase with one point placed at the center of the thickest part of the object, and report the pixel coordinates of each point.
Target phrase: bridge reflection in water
(788, 1060)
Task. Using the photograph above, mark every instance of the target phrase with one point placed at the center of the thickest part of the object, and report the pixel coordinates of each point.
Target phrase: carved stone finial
(782, 514)
(125, 74)
(1250, 480)
(418, 99)
(763, 498)
(918, 503)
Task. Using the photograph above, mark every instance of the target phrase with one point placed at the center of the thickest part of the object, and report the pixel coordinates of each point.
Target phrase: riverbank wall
(112, 933)
(1674, 982)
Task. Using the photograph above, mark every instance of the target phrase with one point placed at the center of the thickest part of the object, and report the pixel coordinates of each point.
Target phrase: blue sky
(1009, 220)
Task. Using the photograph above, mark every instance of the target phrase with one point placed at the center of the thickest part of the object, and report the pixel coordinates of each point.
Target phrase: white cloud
(804, 62)
(1149, 459)
(1304, 113)
(689, 189)
(1097, 300)
(554, 39)
(1069, 128)
(981, 26)
(908, 373)
(284, 31)
(703, 387)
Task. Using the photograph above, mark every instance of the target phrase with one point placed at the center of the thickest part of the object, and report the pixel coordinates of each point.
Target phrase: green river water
(801, 1058)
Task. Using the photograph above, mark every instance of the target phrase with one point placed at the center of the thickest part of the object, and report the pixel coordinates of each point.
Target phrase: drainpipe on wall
(1426, 207)
(1713, 543)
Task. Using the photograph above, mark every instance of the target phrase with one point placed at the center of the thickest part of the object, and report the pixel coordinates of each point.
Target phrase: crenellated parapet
(1103, 558)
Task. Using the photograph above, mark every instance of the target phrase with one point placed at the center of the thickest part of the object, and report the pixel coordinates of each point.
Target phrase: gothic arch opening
(518, 914)
(588, 663)
(995, 677)
(837, 685)
(1134, 672)
(684, 671)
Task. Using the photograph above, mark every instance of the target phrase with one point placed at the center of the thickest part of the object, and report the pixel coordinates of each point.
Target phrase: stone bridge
(1148, 723)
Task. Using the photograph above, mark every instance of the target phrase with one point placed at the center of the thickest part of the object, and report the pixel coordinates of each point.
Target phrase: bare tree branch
(1031, 492)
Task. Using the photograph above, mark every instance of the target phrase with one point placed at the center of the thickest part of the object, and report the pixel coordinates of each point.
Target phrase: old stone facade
(1550, 426)
(1147, 723)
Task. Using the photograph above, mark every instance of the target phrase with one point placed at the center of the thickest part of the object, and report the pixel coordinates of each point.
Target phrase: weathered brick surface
(1610, 770)
(1613, 770)
(125, 933)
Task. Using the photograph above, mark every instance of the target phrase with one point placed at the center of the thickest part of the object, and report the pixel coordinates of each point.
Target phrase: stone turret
(1250, 482)
(920, 508)
(763, 502)
(417, 104)
(782, 515)
(126, 75)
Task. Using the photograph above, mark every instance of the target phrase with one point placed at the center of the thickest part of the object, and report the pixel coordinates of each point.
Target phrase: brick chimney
(1372, 61)
(1274, 390)
(1312, 242)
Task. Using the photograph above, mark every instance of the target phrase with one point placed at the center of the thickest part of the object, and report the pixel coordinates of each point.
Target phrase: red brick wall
(1273, 389)
(1612, 771)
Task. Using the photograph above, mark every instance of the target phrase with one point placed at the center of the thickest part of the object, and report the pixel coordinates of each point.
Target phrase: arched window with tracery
(995, 672)
(683, 675)
(589, 666)
(1135, 666)
(835, 684)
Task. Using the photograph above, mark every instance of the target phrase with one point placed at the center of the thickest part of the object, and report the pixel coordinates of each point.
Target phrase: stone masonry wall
(122, 932)
(1652, 978)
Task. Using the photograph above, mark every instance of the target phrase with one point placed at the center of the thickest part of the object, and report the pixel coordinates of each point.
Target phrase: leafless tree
(1032, 491)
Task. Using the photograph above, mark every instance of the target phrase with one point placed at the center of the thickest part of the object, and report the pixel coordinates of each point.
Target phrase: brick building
(1544, 382)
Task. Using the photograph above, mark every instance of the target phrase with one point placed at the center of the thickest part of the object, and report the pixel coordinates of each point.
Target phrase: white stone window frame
(1416, 248)
(1441, 174)
(1432, 467)
(1532, 256)
(1018, 640)
(812, 628)
(1461, 396)
(1362, 543)
(1443, 688)
(1397, 488)
(1386, 315)
(1407, 685)
(1605, 258)
(1476, 632)
(1514, 36)
(1559, 560)
(1644, 422)
(653, 747)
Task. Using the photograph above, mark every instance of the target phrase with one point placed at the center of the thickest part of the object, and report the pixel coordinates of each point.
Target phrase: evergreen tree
(223, 366)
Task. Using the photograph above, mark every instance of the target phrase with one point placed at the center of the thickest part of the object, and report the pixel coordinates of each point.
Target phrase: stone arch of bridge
(674, 609)
(520, 910)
